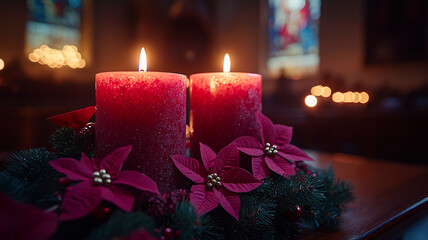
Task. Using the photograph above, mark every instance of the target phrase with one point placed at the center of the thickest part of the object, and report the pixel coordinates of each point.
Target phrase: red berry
(171, 207)
(197, 223)
(64, 181)
(177, 234)
(102, 212)
(89, 129)
(167, 232)
(296, 214)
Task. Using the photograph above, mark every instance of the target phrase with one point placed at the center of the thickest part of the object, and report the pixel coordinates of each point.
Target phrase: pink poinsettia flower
(273, 151)
(20, 221)
(100, 179)
(218, 180)
(76, 119)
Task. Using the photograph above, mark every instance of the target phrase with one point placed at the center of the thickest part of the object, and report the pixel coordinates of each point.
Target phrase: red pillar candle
(223, 107)
(148, 111)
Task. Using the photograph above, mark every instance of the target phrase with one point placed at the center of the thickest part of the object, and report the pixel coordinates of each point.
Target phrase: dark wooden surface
(389, 196)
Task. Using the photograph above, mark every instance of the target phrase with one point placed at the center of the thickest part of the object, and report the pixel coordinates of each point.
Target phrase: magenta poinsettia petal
(280, 166)
(80, 200)
(114, 161)
(137, 180)
(229, 201)
(267, 130)
(249, 145)
(76, 119)
(251, 151)
(87, 162)
(96, 163)
(248, 142)
(20, 221)
(259, 167)
(72, 168)
(227, 158)
(202, 199)
(282, 134)
(293, 153)
(118, 196)
(208, 156)
(239, 180)
(190, 167)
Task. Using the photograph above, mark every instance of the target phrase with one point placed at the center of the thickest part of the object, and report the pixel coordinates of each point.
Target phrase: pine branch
(256, 218)
(186, 221)
(68, 143)
(31, 179)
(341, 192)
(121, 224)
(30, 165)
(303, 190)
(13, 187)
(337, 193)
(41, 192)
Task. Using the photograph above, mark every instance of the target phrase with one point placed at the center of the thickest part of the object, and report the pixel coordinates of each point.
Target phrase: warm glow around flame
(143, 61)
(226, 64)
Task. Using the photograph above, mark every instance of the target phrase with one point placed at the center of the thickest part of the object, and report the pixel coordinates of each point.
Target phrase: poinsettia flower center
(101, 177)
(270, 150)
(213, 180)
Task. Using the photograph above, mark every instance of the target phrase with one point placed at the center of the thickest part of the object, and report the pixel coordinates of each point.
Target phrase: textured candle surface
(223, 107)
(148, 111)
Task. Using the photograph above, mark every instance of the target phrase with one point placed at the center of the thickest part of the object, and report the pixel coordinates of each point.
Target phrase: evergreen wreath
(281, 198)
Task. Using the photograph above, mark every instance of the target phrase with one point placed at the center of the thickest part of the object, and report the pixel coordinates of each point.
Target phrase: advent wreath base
(63, 192)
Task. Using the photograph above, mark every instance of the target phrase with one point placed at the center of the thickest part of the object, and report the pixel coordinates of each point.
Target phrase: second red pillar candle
(223, 107)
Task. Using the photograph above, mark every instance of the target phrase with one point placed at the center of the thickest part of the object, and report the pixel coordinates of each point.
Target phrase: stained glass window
(54, 23)
(293, 35)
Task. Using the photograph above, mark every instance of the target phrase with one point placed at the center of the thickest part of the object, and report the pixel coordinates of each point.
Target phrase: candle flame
(143, 61)
(226, 64)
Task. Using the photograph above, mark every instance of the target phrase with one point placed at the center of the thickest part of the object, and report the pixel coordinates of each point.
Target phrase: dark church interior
(350, 77)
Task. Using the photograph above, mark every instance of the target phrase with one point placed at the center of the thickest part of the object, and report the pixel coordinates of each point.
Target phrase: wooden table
(389, 196)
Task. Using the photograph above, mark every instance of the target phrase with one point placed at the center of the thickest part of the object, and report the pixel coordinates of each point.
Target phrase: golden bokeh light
(311, 101)
(348, 97)
(326, 92)
(1, 64)
(54, 58)
(364, 97)
(317, 90)
(357, 97)
(321, 91)
(338, 97)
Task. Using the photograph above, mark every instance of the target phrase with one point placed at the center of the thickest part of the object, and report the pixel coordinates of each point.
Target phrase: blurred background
(349, 76)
